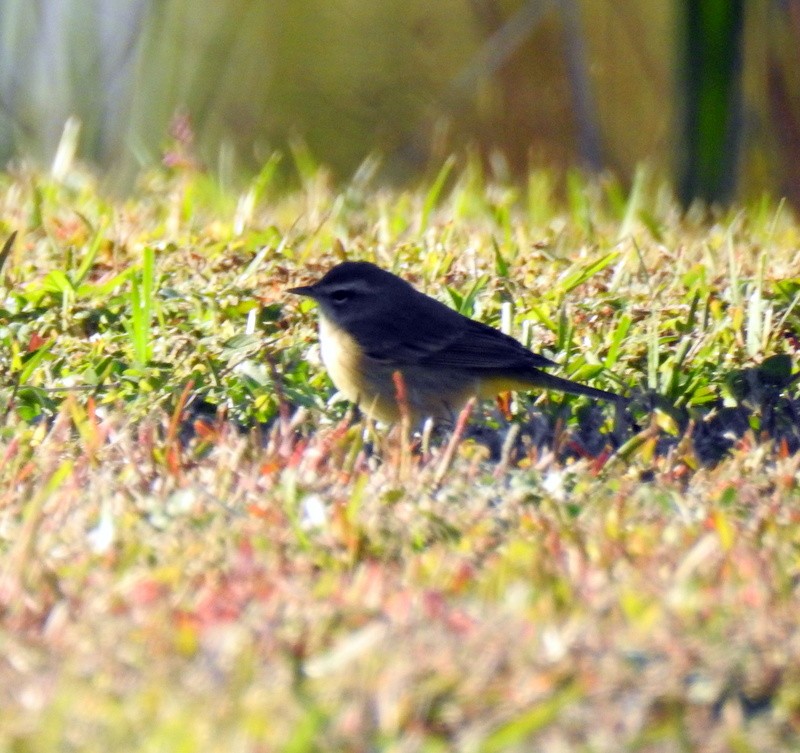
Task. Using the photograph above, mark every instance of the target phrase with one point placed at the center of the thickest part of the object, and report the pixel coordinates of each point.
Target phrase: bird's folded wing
(471, 345)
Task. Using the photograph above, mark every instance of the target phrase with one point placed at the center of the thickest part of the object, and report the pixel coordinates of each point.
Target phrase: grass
(202, 550)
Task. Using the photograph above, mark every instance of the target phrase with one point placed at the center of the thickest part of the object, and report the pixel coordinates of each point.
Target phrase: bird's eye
(340, 296)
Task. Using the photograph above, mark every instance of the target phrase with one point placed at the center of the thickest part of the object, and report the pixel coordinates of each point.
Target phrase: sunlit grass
(203, 549)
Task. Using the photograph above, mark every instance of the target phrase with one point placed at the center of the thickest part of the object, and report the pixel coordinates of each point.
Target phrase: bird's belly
(369, 382)
(438, 392)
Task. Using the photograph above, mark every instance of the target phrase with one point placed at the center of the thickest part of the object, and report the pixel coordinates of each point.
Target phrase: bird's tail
(551, 382)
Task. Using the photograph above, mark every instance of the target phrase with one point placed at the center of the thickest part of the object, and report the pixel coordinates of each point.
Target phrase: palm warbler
(373, 324)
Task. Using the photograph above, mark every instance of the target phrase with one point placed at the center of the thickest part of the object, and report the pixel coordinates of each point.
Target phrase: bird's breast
(342, 357)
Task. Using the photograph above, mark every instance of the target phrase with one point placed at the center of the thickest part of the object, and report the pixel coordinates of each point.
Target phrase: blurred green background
(705, 91)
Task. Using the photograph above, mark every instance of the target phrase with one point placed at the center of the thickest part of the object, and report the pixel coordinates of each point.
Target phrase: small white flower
(313, 513)
(553, 484)
(101, 537)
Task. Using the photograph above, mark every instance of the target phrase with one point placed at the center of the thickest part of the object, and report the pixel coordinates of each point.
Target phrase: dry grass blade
(452, 445)
(404, 447)
(6, 250)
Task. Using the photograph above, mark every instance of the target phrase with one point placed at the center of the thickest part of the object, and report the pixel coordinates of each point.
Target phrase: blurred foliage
(780, 97)
(710, 76)
(346, 77)
(69, 58)
(528, 82)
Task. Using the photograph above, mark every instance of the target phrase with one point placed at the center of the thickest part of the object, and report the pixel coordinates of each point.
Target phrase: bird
(373, 324)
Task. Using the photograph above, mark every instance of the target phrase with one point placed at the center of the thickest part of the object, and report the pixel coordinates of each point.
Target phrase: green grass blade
(141, 303)
(33, 360)
(757, 314)
(582, 274)
(434, 193)
(634, 205)
(91, 255)
(617, 340)
(653, 349)
(518, 730)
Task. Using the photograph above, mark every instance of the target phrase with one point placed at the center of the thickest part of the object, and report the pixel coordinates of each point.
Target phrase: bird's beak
(307, 290)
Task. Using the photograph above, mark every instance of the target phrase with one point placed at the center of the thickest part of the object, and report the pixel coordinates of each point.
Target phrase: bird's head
(354, 291)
